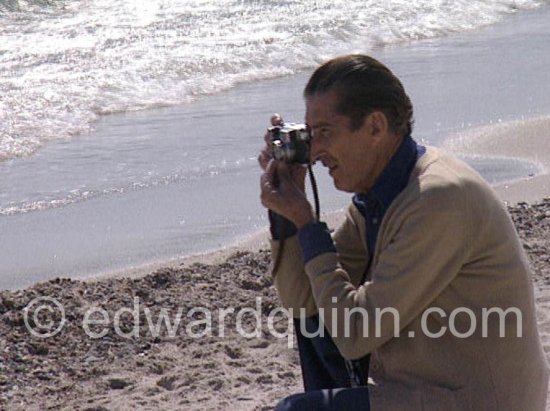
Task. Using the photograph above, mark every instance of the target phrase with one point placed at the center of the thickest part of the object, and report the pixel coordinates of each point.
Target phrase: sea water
(64, 63)
(128, 132)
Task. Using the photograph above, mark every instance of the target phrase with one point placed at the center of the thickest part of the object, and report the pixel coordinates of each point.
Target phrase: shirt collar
(394, 177)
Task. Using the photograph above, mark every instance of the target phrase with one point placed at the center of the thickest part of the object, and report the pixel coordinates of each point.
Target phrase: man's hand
(283, 191)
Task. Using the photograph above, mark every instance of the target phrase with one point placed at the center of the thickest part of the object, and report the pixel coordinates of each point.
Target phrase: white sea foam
(64, 63)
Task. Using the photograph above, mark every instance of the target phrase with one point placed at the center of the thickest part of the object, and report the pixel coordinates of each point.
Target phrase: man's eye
(323, 132)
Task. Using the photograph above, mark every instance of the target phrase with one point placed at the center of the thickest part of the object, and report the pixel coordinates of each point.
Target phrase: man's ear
(377, 123)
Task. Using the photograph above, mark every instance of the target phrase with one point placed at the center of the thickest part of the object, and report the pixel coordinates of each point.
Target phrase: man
(424, 288)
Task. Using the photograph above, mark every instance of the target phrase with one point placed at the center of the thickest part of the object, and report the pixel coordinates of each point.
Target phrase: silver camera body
(290, 143)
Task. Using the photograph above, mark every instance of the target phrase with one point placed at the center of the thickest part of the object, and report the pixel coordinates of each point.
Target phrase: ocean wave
(30, 7)
(65, 64)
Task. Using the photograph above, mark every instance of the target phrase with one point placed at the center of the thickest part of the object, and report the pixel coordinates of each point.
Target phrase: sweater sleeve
(423, 256)
(290, 279)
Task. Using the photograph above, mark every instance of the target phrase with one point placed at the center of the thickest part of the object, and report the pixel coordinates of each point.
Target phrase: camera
(290, 142)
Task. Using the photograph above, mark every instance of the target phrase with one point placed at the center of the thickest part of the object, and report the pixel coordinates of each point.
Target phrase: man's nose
(314, 150)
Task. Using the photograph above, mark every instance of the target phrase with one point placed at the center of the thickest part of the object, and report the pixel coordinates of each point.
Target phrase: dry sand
(150, 370)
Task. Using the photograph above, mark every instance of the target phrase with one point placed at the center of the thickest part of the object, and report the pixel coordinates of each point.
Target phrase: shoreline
(521, 139)
(181, 158)
(252, 243)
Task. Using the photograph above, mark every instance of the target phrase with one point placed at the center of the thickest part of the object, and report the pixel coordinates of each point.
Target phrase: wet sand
(527, 140)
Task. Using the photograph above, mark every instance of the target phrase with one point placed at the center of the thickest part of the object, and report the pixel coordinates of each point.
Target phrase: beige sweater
(446, 244)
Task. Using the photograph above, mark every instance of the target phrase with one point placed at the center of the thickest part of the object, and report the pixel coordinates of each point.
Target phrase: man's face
(354, 158)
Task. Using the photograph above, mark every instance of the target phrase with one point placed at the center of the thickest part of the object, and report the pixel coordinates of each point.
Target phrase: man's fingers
(263, 159)
(265, 180)
(272, 173)
(283, 171)
(268, 188)
(265, 154)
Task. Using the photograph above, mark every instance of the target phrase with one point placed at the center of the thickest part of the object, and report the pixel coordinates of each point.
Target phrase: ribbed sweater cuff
(315, 239)
(277, 223)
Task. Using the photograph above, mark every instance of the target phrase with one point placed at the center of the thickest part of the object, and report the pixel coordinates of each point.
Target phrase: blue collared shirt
(315, 238)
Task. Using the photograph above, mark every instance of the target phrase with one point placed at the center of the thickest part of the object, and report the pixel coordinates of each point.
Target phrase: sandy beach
(241, 360)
